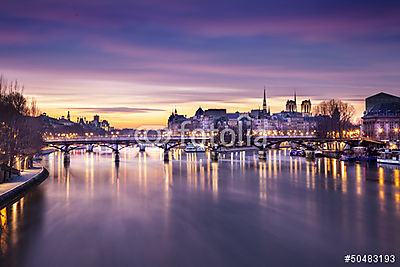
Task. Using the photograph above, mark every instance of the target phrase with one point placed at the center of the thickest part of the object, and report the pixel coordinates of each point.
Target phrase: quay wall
(21, 189)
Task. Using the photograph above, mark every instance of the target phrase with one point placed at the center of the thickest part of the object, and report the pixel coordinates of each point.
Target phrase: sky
(132, 62)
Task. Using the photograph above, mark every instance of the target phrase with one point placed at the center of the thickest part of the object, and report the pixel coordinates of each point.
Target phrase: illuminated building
(381, 120)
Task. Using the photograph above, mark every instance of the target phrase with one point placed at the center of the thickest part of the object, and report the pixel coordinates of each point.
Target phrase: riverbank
(17, 187)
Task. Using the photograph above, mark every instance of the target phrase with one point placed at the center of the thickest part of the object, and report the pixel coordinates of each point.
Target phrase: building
(233, 119)
(217, 113)
(105, 125)
(381, 120)
(286, 122)
(259, 121)
(66, 128)
(306, 107)
(291, 105)
(199, 113)
(380, 98)
(261, 113)
(175, 121)
(96, 121)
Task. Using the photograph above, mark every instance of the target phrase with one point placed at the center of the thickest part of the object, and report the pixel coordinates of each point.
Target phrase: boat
(190, 148)
(348, 155)
(358, 154)
(389, 157)
(318, 154)
(364, 154)
(348, 158)
(297, 152)
(366, 158)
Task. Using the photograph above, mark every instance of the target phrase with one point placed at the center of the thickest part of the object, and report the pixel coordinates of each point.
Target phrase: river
(190, 211)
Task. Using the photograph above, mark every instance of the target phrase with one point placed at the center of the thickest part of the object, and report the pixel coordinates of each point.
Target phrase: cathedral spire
(264, 101)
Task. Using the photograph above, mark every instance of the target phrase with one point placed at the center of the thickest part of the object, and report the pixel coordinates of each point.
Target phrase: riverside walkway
(16, 187)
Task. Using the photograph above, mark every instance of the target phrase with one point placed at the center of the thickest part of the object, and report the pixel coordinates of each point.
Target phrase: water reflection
(214, 179)
(146, 212)
(15, 221)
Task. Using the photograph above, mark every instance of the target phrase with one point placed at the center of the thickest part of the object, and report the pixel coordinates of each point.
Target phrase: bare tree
(334, 115)
(20, 131)
(328, 107)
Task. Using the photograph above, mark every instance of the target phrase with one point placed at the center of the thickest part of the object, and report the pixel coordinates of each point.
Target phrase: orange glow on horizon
(58, 108)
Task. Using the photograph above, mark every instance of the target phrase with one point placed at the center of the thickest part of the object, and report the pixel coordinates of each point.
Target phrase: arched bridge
(166, 143)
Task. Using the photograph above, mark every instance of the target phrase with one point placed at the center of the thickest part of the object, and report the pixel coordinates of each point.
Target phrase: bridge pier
(166, 155)
(66, 156)
(262, 154)
(214, 155)
(142, 147)
(310, 154)
(66, 150)
(90, 148)
(116, 153)
(116, 156)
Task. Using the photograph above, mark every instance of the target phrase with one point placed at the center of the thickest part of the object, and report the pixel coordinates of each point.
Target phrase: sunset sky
(132, 62)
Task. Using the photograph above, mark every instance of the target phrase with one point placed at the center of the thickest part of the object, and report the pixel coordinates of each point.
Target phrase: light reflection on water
(284, 211)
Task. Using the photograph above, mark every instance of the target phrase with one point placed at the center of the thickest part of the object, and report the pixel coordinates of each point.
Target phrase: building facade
(306, 107)
(381, 120)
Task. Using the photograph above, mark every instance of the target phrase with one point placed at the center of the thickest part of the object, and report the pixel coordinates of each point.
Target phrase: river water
(284, 211)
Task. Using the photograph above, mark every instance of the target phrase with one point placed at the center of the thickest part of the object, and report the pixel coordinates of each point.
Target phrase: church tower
(291, 105)
(306, 107)
(264, 103)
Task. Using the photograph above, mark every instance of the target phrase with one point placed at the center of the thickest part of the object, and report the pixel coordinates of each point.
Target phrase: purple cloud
(158, 52)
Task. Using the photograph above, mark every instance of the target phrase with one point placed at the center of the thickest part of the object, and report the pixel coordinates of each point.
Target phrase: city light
(199, 133)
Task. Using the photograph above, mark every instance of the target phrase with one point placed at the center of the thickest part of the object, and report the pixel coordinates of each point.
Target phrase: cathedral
(291, 106)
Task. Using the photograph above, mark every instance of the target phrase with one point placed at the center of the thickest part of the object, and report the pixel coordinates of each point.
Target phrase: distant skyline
(132, 62)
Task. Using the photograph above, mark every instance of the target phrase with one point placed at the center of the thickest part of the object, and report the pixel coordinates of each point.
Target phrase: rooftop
(384, 110)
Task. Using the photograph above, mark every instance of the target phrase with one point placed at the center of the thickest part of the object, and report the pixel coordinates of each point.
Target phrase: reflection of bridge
(166, 143)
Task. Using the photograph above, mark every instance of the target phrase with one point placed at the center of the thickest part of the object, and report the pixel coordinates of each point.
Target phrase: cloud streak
(123, 54)
(117, 110)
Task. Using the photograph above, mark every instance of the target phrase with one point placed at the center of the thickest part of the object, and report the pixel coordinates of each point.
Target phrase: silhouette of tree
(20, 128)
(335, 116)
